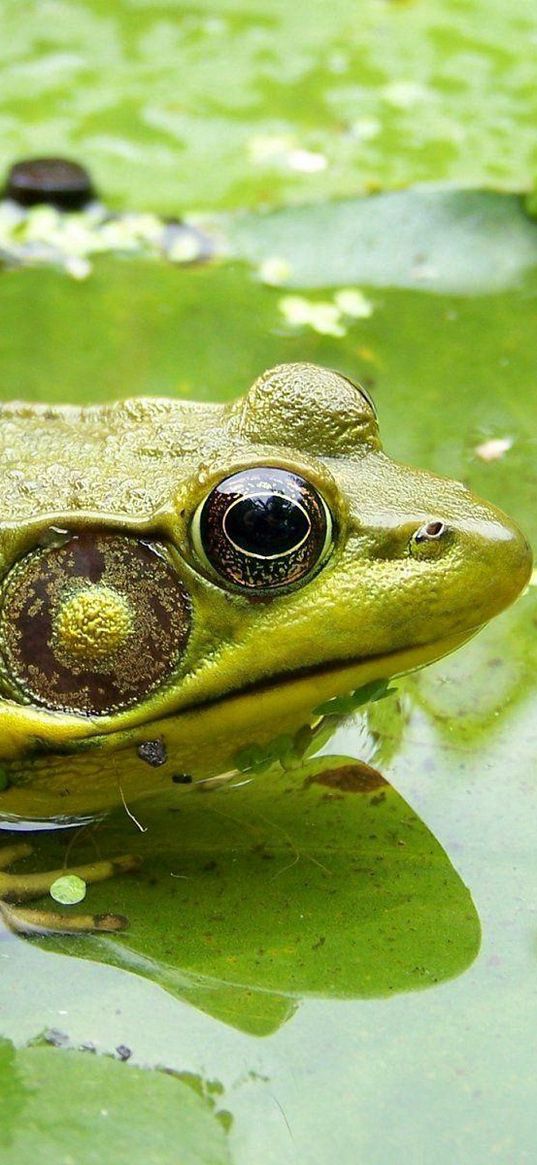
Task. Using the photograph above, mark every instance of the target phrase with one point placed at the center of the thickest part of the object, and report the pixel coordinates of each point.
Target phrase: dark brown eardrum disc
(94, 625)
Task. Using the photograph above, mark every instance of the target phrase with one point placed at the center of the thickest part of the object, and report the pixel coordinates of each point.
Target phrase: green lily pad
(240, 104)
(69, 1105)
(460, 241)
(68, 890)
(320, 881)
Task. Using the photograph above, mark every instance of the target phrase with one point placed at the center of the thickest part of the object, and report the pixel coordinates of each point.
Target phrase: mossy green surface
(237, 103)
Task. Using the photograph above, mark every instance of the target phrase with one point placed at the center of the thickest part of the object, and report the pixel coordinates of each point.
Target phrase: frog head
(170, 555)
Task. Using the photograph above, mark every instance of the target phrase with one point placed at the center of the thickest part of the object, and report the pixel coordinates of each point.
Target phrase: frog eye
(263, 529)
(92, 626)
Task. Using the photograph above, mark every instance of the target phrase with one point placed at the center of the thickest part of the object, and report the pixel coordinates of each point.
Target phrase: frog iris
(263, 529)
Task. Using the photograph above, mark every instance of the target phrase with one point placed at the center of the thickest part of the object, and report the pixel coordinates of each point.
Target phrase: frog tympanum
(164, 560)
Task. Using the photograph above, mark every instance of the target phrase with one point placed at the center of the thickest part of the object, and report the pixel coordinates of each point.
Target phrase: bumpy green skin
(143, 466)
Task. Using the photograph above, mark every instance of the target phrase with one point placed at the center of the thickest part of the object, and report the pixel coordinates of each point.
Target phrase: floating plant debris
(46, 235)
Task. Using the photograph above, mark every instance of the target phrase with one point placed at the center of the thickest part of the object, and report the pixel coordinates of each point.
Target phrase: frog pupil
(266, 524)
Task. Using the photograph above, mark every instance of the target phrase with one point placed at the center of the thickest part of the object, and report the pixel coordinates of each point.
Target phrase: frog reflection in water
(183, 569)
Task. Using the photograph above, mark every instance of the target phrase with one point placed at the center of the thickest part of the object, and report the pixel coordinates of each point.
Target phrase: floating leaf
(71, 1106)
(68, 890)
(321, 881)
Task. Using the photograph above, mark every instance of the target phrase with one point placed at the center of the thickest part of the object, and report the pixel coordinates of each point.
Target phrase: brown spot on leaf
(357, 777)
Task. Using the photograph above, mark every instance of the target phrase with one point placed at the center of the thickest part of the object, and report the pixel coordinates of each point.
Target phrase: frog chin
(281, 703)
(288, 698)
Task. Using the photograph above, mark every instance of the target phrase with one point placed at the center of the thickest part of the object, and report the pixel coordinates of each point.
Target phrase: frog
(176, 575)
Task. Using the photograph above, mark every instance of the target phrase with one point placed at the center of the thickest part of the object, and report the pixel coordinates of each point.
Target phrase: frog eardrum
(263, 529)
(92, 625)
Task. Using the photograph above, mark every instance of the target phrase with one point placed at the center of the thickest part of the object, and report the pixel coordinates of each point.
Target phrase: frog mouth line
(285, 695)
(311, 686)
(304, 688)
(410, 659)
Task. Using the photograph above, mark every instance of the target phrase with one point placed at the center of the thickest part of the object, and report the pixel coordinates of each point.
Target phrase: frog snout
(503, 560)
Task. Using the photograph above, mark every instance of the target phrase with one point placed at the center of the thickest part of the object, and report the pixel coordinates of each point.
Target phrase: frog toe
(25, 887)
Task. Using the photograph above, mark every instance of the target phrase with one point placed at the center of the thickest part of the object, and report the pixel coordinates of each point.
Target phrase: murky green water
(354, 971)
(326, 970)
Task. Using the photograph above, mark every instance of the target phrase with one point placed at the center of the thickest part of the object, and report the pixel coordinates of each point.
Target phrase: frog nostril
(431, 531)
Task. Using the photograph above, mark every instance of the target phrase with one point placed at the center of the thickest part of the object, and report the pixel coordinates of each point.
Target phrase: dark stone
(54, 181)
(56, 1038)
(153, 752)
(182, 778)
(123, 1052)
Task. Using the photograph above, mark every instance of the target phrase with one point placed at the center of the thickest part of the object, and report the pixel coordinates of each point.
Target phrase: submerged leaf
(72, 1106)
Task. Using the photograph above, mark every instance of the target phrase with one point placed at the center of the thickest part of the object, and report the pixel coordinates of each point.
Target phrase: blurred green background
(235, 102)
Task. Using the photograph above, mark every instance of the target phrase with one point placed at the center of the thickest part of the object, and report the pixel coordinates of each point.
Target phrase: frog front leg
(23, 887)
